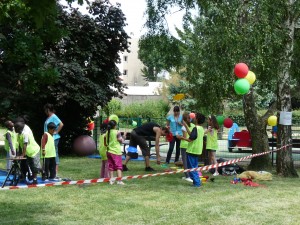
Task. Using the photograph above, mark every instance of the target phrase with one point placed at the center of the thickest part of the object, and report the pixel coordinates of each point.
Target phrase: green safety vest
(102, 148)
(114, 146)
(49, 147)
(32, 147)
(184, 143)
(14, 140)
(212, 140)
(196, 146)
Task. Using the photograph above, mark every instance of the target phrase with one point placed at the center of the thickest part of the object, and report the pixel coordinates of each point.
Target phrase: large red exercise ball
(272, 121)
(241, 70)
(114, 117)
(220, 120)
(242, 86)
(192, 115)
(84, 145)
(250, 77)
(228, 123)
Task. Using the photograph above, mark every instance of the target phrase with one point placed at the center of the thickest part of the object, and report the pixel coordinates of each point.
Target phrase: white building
(131, 67)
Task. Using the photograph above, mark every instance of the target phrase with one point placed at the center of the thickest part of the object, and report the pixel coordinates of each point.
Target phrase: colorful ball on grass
(250, 77)
(242, 86)
(192, 115)
(272, 121)
(114, 117)
(241, 70)
(228, 123)
(84, 145)
(220, 120)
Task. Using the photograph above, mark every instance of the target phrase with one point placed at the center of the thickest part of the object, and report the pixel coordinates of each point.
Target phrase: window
(125, 58)
(125, 72)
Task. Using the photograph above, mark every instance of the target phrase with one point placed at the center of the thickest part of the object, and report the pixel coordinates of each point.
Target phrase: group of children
(20, 142)
(191, 145)
(110, 151)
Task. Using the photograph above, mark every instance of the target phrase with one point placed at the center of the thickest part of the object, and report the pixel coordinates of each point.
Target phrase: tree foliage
(74, 67)
(159, 52)
(219, 34)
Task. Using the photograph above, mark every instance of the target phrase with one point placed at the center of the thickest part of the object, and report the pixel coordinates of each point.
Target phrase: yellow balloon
(251, 77)
(272, 121)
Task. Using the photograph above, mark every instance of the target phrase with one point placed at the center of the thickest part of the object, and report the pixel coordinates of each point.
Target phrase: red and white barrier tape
(102, 180)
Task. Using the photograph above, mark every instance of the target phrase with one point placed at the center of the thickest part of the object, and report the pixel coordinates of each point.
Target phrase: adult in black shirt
(138, 138)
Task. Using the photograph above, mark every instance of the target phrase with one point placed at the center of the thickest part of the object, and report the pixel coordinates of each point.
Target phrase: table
(15, 171)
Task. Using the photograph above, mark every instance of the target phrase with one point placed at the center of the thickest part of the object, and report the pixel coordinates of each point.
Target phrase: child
(102, 150)
(212, 141)
(195, 146)
(48, 152)
(29, 148)
(112, 141)
(184, 144)
(10, 143)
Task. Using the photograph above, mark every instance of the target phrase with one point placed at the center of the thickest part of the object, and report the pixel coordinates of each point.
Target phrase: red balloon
(228, 123)
(84, 145)
(192, 115)
(241, 70)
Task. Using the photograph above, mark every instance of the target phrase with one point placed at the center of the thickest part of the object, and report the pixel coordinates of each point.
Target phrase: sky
(134, 12)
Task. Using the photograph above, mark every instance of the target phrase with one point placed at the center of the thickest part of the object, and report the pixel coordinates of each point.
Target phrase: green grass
(154, 200)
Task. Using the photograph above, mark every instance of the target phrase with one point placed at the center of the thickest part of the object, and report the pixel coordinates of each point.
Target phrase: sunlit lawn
(156, 200)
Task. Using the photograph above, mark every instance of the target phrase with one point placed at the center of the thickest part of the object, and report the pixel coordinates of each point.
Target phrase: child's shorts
(114, 162)
(34, 163)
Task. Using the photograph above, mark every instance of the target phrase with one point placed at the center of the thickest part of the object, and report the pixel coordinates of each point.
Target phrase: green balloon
(134, 123)
(220, 119)
(242, 86)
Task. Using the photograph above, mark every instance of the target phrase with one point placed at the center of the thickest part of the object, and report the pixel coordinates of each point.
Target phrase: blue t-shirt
(174, 126)
(232, 130)
(54, 119)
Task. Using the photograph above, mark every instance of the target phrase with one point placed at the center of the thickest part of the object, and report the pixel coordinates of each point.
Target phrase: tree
(77, 72)
(152, 52)
(224, 33)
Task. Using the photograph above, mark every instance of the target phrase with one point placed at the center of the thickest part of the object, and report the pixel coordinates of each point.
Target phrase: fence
(127, 124)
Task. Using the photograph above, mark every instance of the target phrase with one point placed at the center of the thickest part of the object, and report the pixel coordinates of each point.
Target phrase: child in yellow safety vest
(113, 140)
(10, 143)
(48, 152)
(103, 152)
(30, 149)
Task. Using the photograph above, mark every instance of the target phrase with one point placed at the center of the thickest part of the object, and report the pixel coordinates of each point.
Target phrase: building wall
(126, 100)
(131, 66)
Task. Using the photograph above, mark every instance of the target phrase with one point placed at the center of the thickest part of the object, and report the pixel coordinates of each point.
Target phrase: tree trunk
(257, 127)
(284, 160)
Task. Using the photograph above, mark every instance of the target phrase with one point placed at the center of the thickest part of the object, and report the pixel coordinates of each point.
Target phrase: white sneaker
(111, 182)
(120, 182)
(183, 178)
(216, 174)
(189, 179)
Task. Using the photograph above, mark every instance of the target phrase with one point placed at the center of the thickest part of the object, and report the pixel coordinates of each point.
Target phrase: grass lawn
(156, 200)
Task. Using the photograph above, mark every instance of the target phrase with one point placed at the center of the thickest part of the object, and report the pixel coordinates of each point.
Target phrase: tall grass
(155, 200)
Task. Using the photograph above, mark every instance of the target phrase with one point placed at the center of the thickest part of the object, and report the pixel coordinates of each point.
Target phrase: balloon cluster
(226, 122)
(246, 78)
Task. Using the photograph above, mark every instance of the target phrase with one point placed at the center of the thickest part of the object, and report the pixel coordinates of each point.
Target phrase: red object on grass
(228, 123)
